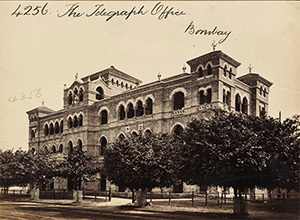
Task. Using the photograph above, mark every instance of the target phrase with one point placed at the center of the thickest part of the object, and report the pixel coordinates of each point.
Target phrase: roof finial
(250, 68)
(184, 68)
(214, 44)
(76, 76)
(159, 76)
(43, 102)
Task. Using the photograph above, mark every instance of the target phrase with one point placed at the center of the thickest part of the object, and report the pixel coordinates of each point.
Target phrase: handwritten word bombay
(215, 31)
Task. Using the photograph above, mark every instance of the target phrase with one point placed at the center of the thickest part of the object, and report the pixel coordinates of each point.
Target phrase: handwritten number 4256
(30, 10)
(36, 92)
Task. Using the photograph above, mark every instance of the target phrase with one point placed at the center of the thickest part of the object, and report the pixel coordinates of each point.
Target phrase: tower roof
(209, 56)
(42, 109)
(112, 71)
(255, 76)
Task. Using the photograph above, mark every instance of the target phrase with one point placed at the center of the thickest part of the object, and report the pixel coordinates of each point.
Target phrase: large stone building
(110, 104)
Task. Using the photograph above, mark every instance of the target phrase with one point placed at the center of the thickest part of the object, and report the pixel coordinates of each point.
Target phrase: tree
(34, 169)
(78, 167)
(22, 168)
(142, 162)
(7, 169)
(240, 151)
(281, 143)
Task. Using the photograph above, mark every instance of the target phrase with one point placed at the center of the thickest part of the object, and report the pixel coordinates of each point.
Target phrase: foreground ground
(22, 208)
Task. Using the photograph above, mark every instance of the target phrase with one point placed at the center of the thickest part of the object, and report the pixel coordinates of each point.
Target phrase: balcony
(205, 106)
(178, 112)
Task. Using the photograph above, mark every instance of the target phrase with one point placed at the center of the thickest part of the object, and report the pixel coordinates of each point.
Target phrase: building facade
(110, 104)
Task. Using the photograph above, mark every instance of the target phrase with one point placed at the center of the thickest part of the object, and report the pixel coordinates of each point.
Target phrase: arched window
(147, 133)
(121, 137)
(208, 96)
(80, 120)
(70, 146)
(100, 93)
(122, 84)
(228, 97)
(130, 110)
(56, 127)
(205, 96)
(70, 122)
(262, 111)
(32, 133)
(126, 85)
(202, 97)
(209, 70)
(60, 149)
(149, 106)
(265, 92)
(61, 126)
(103, 143)
(200, 72)
(260, 90)
(178, 129)
(139, 109)
(53, 149)
(51, 128)
(237, 102)
(230, 73)
(178, 100)
(117, 82)
(121, 112)
(75, 92)
(224, 96)
(130, 87)
(75, 121)
(134, 134)
(80, 95)
(33, 151)
(245, 105)
(103, 115)
(225, 70)
(79, 144)
(70, 98)
(46, 130)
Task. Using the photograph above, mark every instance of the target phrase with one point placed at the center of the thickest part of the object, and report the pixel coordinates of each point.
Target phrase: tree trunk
(34, 192)
(142, 198)
(239, 203)
(77, 195)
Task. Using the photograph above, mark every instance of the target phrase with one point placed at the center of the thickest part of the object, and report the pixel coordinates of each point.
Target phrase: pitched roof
(113, 71)
(42, 108)
(255, 76)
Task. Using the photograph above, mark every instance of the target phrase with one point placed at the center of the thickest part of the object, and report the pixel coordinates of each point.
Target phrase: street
(25, 209)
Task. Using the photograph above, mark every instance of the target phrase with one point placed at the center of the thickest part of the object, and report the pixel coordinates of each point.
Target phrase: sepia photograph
(149, 110)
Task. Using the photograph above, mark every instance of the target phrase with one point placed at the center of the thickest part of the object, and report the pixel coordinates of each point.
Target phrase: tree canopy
(143, 162)
(241, 151)
(7, 169)
(77, 167)
(22, 167)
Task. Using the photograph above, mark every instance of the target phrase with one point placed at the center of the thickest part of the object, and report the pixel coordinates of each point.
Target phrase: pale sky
(44, 52)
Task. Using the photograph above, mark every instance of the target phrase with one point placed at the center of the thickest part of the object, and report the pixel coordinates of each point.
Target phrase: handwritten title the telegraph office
(160, 11)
